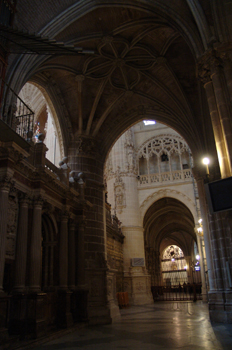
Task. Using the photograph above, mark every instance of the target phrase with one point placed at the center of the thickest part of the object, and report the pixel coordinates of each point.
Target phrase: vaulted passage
(171, 250)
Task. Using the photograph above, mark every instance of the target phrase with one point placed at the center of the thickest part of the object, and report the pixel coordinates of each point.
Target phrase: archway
(45, 120)
(172, 255)
(161, 203)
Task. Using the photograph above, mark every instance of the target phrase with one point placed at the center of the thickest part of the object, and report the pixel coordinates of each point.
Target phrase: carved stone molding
(86, 146)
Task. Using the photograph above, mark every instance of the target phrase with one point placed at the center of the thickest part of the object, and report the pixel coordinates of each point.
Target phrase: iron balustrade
(18, 115)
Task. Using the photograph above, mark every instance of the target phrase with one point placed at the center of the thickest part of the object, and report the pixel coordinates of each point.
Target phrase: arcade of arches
(90, 196)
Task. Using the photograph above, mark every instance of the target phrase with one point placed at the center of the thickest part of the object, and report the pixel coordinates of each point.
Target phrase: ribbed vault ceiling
(142, 67)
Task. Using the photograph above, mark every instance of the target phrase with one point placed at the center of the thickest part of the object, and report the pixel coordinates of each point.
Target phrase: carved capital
(210, 63)
(24, 198)
(81, 221)
(204, 74)
(38, 201)
(65, 215)
(6, 184)
(86, 146)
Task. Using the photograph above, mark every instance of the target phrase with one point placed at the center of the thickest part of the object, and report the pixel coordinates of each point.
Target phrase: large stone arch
(165, 192)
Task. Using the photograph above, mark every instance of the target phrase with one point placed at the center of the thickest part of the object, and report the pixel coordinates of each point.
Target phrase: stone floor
(167, 325)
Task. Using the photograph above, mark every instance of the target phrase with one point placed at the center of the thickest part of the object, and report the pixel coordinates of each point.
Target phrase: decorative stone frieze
(119, 192)
(12, 219)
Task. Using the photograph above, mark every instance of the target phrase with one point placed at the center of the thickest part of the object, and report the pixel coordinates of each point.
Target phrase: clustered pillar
(21, 247)
(4, 192)
(36, 246)
(216, 74)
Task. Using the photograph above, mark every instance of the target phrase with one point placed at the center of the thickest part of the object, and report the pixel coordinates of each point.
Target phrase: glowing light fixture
(198, 257)
(206, 162)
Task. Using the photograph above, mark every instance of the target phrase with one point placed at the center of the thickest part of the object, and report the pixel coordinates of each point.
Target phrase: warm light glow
(198, 257)
(200, 221)
(199, 229)
(205, 161)
(185, 267)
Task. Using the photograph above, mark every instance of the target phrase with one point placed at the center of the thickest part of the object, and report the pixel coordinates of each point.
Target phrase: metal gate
(179, 292)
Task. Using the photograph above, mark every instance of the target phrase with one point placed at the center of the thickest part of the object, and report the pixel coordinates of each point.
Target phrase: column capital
(38, 201)
(210, 63)
(6, 183)
(86, 145)
(72, 224)
(65, 215)
(24, 198)
(81, 221)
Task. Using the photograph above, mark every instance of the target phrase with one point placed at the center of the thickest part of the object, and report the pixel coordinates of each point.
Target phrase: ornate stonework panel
(119, 192)
(12, 218)
(165, 143)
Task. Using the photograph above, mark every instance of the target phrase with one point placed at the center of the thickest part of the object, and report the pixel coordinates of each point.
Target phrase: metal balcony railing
(18, 115)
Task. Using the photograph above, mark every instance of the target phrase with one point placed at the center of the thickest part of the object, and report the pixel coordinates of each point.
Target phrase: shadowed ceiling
(142, 67)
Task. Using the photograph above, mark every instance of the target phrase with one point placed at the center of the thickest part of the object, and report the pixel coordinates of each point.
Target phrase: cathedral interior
(107, 110)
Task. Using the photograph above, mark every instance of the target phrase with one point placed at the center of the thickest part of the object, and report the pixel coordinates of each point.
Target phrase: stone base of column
(220, 307)
(111, 296)
(79, 302)
(27, 315)
(64, 315)
(98, 308)
(4, 307)
(138, 285)
(204, 296)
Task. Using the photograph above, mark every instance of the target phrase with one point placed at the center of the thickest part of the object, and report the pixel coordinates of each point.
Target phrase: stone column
(36, 246)
(64, 316)
(203, 277)
(157, 267)
(21, 245)
(80, 267)
(71, 255)
(85, 161)
(63, 252)
(228, 75)
(222, 104)
(189, 268)
(217, 130)
(4, 192)
(206, 230)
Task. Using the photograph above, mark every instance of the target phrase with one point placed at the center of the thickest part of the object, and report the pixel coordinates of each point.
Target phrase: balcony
(17, 115)
(177, 176)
